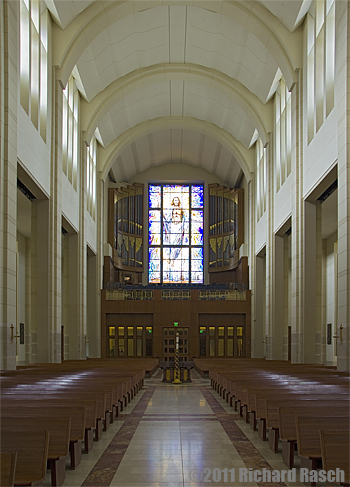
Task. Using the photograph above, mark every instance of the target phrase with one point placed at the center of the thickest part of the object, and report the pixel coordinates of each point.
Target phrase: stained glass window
(175, 233)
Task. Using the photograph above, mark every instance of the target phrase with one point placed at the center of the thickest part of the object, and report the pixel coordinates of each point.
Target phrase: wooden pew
(236, 380)
(287, 416)
(267, 407)
(32, 449)
(64, 399)
(7, 468)
(95, 388)
(335, 450)
(36, 409)
(273, 407)
(59, 429)
(308, 436)
(254, 398)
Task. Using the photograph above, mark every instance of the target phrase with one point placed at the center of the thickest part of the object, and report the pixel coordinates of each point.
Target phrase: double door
(169, 344)
(130, 341)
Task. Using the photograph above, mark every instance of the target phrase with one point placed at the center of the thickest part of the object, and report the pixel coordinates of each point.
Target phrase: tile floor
(176, 435)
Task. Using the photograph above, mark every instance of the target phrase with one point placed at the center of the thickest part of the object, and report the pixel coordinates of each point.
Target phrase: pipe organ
(125, 229)
(226, 230)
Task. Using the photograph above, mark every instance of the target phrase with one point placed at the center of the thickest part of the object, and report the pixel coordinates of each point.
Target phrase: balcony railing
(132, 295)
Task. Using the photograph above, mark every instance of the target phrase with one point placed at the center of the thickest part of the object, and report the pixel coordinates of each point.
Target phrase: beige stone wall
(300, 281)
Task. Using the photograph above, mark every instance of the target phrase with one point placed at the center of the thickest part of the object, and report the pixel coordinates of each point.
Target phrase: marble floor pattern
(175, 436)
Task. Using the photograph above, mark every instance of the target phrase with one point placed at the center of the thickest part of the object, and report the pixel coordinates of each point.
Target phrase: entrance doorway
(130, 341)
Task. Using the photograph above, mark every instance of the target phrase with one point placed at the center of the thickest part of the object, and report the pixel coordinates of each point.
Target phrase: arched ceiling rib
(176, 98)
(177, 34)
(211, 138)
(205, 69)
(290, 13)
(196, 91)
(255, 20)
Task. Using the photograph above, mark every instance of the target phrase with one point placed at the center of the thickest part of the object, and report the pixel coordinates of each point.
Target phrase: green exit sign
(176, 323)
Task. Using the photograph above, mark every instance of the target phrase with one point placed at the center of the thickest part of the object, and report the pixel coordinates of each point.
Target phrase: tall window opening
(175, 233)
(320, 65)
(91, 161)
(34, 62)
(70, 145)
(283, 134)
(261, 178)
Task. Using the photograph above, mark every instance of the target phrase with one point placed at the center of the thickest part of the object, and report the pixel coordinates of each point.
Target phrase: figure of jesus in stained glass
(175, 227)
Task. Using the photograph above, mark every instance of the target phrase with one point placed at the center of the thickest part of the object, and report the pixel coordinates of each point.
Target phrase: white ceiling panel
(186, 35)
(195, 36)
(173, 146)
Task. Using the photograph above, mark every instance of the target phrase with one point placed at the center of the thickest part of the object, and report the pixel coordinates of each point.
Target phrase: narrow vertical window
(25, 54)
(43, 73)
(283, 134)
(261, 183)
(310, 80)
(330, 54)
(70, 133)
(320, 65)
(34, 63)
(91, 161)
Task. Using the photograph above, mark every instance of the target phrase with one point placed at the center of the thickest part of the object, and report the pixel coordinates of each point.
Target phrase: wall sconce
(340, 333)
(265, 341)
(12, 335)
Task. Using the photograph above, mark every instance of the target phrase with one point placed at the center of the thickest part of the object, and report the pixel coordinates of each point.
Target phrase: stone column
(94, 284)
(297, 235)
(286, 294)
(74, 296)
(252, 267)
(260, 307)
(8, 179)
(312, 270)
(56, 224)
(343, 102)
(82, 258)
(28, 300)
(279, 298)
(270, 260)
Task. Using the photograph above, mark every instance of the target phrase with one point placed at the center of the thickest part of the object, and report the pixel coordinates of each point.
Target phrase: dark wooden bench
(32, 450)
(288, 415)
(36, 409)
(267, 407)
(255, 398)
(273, 406)
(308, 436)
(96, 390)
(7, 468)
(59, 429)
(335, 450)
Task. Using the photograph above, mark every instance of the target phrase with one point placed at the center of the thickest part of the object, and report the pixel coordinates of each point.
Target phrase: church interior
(175, 238)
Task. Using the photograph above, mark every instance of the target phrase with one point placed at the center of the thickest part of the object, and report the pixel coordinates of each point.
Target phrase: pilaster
(297, 236)
(8, 180)
(56, 224)
(343, 102)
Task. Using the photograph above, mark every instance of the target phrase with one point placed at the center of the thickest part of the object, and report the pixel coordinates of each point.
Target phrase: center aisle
(176, 436)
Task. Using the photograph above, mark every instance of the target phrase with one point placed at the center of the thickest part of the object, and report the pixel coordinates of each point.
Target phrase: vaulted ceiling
(177, 81)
